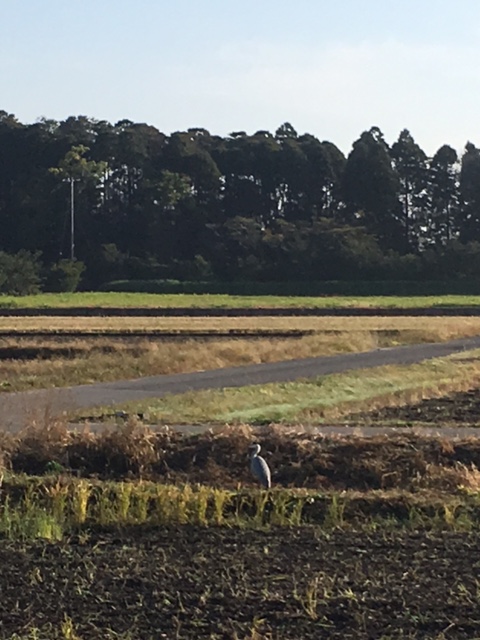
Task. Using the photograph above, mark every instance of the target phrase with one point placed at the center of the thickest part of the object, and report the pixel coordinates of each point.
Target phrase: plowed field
(462, 408)
(193, 583)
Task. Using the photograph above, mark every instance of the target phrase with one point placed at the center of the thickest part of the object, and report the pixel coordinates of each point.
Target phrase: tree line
(264, 207)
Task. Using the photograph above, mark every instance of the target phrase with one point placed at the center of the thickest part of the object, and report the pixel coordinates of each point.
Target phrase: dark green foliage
(65, 275)
(305, 288)
(371, 189)
(443, 197)
(20, 273)
(470, 193)
(254, 208)
(410, 163)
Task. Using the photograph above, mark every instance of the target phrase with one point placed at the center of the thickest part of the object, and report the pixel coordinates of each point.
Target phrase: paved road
(19, 409)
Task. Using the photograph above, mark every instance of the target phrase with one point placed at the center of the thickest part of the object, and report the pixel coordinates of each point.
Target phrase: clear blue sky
(331, 68)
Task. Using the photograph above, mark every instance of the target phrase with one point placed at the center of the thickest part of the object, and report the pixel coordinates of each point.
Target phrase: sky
(331, 68)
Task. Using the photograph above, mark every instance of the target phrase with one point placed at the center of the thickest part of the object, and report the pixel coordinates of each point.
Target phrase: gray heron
(259, 467)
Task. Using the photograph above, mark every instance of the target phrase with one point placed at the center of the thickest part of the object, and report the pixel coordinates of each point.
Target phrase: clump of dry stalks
(218, 457)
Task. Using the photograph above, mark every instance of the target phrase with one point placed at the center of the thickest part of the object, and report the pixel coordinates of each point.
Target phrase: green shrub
(303, 288)
(20, 273)
(65, 275)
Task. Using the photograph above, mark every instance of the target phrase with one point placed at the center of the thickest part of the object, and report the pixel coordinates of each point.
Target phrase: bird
(259, 467)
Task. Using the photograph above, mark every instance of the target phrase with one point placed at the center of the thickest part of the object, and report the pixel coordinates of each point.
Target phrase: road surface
(19, 409)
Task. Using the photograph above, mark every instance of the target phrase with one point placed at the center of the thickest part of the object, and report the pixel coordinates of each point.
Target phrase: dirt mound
(460, 408)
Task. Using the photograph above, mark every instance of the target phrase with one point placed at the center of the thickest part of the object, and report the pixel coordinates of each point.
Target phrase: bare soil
(192, 583)
(459, 409)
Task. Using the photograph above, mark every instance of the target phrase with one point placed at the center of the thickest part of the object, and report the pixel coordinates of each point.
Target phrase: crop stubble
(227, 583)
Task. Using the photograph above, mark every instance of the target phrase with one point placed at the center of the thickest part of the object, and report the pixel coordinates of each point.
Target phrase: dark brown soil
(462, 408)
(435, 310)
(191, 583)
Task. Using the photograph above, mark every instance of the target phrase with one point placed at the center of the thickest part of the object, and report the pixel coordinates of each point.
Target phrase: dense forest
(195, 206)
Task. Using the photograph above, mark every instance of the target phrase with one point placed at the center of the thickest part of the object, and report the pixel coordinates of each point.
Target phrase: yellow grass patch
(438, 327)
(54, 360)
(85, 361)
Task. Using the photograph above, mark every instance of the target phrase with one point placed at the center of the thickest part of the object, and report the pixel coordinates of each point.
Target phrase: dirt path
(18, 409)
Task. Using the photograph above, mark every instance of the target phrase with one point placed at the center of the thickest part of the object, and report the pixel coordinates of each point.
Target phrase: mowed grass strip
(318, 400)
(425, 328)
(114, 299)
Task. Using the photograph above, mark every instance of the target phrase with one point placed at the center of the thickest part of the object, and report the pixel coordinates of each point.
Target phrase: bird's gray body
(259, 467)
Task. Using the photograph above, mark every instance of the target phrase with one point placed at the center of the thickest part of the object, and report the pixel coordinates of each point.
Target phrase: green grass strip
(104, 299)
(315, 400)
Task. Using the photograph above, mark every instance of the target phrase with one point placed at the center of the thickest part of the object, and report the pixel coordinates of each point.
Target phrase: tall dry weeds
(218, 458)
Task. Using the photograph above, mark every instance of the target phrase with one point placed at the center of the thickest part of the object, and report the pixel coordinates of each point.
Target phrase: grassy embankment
(103, 299)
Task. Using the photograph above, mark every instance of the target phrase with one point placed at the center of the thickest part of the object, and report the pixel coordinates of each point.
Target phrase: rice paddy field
(141, 531)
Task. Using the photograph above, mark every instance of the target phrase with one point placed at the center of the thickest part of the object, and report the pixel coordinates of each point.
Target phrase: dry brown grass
(52, 361)
(70, 362)
(218, 458)
(438, 327)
